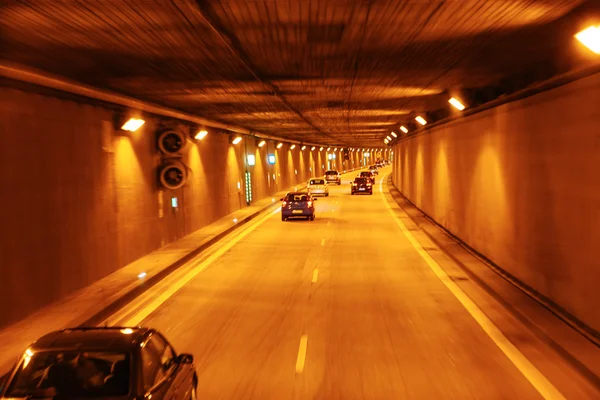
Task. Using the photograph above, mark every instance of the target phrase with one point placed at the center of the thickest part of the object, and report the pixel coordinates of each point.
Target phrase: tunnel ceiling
(343, 72)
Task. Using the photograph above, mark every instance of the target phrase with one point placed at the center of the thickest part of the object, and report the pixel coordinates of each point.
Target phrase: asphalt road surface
(340, 308)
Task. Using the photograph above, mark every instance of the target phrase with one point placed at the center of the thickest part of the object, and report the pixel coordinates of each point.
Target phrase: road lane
(377, 323)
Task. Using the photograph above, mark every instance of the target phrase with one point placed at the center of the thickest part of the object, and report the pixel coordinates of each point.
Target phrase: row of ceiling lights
(589, 37)
(453, 101)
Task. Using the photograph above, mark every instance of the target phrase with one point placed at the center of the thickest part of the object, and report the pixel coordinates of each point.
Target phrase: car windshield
(71, 374)
(331, 173)
(317, 182)
(297, 197)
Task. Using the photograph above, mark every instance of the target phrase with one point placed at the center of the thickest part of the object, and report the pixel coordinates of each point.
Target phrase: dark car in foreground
(361, 185)
(102, 363)
(298, 205)
(368, 175)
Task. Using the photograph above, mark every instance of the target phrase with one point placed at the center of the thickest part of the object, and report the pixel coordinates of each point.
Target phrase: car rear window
(331, 173)
(297, 197)
(365, 174)
(360, 180)
(72, 374)
(317, 182)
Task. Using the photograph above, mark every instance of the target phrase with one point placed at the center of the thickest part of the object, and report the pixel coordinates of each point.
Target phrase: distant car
(123, 363)
(333, 177)
(318, 186)
(374, 170)
(362, 185)
(368, 175)
(298, 205)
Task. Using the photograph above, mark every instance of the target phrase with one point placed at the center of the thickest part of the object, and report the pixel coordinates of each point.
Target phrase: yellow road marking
(315, 275)
(301, 354)
(142, 314)
(531, 373)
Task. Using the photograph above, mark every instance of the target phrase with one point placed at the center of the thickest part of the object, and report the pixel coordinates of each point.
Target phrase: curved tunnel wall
(78, 200)
(520, 183)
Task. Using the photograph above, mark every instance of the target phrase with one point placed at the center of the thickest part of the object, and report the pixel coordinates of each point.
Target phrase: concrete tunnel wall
(80, 200)
(520, 183)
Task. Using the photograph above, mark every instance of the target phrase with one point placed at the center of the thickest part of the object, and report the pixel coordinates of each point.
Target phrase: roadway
(343, 307)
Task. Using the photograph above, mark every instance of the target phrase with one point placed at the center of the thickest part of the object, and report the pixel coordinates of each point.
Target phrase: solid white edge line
(531, 373)
(174, 287)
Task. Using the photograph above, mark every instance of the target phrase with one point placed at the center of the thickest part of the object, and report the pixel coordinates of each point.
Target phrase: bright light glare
(321, 149)
(421, 120)
(457, 104)
(141, 275)
(388, 138)
(127, 331)
(385, 141)
(133, 124)
(590, 38)
(292, 147)
(303, 147)
(235, 220)
(262, 143)
(329, 149)
(312, 148)
(394, 134)
(201, 135)
(237, 140)
(403, 129)
(279, 145)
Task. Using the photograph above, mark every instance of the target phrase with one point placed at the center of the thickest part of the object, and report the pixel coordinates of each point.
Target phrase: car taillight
(284, 204)
(310, 203)
(369, 184)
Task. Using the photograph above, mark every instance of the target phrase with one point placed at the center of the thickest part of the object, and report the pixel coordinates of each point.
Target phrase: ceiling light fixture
(312, 148)
(394, 134)
(279, 145)
(303, 147)
(457, 104)
(389, 138)
(237, 140)
(321, 149)
(403, 129)
(133, 124)
(262, 143)
(292, 147)
(421, 120)
(201, 135)
(590, 38)
(385, 141)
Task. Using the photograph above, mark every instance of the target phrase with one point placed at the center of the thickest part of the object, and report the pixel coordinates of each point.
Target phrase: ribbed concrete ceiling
(339, 72)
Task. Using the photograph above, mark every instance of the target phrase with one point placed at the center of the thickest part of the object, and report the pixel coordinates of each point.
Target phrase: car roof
(297, 193)
(95, 338)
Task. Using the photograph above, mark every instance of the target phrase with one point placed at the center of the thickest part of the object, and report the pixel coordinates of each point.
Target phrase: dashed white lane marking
(315, 275)
(301, 354)
(531, 373)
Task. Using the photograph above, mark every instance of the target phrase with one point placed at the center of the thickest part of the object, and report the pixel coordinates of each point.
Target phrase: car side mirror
(185, 358)
(281, 199)
(315, 199)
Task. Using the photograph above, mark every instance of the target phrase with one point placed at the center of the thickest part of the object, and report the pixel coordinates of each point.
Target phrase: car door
(182, 373)
(159, 369)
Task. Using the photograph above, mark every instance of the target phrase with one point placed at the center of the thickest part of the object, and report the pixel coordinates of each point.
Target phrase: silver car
(318, 186)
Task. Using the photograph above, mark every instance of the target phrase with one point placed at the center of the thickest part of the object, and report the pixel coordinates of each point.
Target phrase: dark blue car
(298, 205)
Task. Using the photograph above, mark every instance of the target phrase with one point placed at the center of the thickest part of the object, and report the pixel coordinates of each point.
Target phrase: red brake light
(284, 204)
(310, 203)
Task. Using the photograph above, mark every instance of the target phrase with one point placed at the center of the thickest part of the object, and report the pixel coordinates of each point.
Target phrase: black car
(83, 363)
(369, 175)
(362, 185)
(298, 204)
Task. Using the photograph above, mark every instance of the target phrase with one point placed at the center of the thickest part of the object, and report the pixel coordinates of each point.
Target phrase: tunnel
(164, 139)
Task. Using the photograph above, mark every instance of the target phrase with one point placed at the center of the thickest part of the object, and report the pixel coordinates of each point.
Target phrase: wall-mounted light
(133, 124)
(303, 147)
(251, 159)
(590, 38)
(329, 149)
(313, 148)
(321, 149)
(385, 141)
(394, 134)
(236, 140)
(261, 143)
(271, 160)
(335, 149)
(200, 135)
(403, 129)
(421, 120)
(279, 145)
(456, 104)
(292, 147)
(388, 138)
